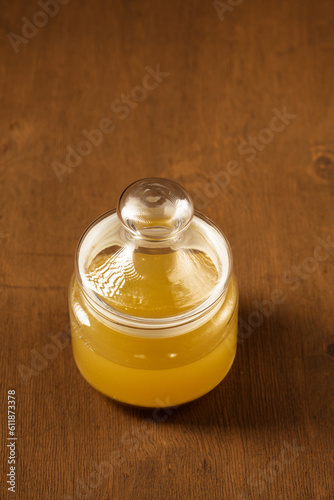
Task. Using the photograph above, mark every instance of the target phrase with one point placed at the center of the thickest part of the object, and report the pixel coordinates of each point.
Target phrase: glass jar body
(149, 370)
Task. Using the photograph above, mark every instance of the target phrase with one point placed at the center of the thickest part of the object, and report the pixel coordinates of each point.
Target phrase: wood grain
(267, 430)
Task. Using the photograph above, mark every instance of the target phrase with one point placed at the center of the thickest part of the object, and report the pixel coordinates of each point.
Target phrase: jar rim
(113, 315)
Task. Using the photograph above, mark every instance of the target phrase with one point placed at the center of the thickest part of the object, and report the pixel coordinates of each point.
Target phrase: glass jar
(153, 300)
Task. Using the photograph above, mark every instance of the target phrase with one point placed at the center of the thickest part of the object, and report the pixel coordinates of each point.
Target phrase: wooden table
(239, 110)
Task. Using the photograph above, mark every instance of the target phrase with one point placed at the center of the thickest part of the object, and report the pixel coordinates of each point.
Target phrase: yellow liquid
(154, 372)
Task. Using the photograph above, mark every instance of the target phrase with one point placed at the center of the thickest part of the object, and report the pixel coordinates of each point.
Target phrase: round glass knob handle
(155, 208)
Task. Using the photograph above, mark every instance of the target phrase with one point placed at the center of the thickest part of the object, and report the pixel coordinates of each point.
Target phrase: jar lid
(153, 261)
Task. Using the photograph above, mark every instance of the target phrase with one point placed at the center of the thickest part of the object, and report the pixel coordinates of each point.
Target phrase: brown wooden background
(267, 430)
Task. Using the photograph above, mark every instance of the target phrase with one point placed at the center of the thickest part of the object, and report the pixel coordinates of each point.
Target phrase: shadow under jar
(153, 300)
